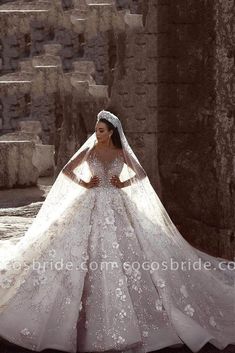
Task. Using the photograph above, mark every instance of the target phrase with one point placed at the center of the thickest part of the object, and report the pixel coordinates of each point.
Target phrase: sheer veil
(158, 228)
(64, 191)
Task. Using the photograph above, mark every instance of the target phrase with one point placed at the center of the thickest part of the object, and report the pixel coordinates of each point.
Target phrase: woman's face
(102, 132)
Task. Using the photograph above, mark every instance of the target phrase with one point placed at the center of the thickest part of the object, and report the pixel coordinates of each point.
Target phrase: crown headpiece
(105, 114)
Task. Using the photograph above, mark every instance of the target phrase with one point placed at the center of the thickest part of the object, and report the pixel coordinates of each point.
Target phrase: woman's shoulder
(91, 153)
(119, 152)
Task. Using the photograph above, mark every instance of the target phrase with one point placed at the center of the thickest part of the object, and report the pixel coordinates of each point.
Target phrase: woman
(107, 149)
(103, 267)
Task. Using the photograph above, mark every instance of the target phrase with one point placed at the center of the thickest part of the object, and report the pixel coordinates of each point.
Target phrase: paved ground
(23, 196)
(18, 207)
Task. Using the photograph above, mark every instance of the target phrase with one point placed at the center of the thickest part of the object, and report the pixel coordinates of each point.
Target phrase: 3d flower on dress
(115, 245)
(52, 252)
(183, 290)
(212, 321)
(122, 314)
(67, 300)
(26, 332)
(189, 310)
(158, 304)
(5, 283)
(161, 283)
(120, 294)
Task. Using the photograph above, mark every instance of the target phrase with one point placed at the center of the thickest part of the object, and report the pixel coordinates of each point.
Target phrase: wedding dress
(114, 287)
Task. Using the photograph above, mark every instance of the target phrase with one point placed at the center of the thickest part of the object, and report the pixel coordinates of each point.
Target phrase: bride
(103, 267)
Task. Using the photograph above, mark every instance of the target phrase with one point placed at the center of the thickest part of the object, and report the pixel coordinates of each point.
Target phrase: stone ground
(23, 196)
(19, 206)
(17, 210)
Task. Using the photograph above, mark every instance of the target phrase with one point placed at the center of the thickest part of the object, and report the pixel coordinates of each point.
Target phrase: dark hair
(115, 135)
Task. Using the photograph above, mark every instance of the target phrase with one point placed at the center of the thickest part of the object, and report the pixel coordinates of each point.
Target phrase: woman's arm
(69, 167)
(136, 167)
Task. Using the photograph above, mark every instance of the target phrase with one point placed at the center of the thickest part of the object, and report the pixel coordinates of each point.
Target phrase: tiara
(105, 114)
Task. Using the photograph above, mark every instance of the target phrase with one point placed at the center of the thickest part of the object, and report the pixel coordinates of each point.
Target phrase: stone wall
(172, 87)
(224, 112)
(195, 122)
(163, 66)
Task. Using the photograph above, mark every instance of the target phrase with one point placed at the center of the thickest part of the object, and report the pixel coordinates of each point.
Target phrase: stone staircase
(41, 64)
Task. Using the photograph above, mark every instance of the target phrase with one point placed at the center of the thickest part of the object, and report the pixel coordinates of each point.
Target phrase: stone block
(17, 168)
(134, 21)
(98, 91)
(43, 159)
(33, 126)
(84, 66)
(20, 136)
(52, 48)
(26, 65)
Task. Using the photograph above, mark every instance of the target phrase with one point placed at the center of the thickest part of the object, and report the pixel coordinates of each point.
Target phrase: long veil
(158, 232)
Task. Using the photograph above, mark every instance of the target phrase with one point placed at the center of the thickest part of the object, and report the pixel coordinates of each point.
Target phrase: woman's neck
(104, 146)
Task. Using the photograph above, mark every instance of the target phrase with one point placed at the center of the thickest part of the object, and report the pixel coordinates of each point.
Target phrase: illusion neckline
(106, 164)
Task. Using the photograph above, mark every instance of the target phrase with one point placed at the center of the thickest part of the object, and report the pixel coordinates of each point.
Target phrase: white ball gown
(115, 307)
(100, 274)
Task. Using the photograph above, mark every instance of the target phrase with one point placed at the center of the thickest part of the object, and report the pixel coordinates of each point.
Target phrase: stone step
(81, 77)
(13, 83)
(80, 12)
(80, 22)
(98, 91)
(52, 48)
(84, 66)
(33, 126)
(25, 7)
(20, 136)
(26, 65)
(133, 20)
(47, 61)
(101, 2)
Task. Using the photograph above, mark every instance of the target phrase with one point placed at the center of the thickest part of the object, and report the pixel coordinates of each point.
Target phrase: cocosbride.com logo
(151, 266)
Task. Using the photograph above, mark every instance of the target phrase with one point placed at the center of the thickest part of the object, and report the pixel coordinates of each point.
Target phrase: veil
(160, 230)
(64, 191)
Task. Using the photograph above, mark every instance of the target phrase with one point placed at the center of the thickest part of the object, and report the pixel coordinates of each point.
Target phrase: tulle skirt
(109, 279)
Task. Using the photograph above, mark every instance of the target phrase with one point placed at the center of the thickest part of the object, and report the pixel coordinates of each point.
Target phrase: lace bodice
(105, 170)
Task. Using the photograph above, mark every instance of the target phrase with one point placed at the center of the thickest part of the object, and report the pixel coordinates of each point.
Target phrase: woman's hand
(115, 181)
(94, 181)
